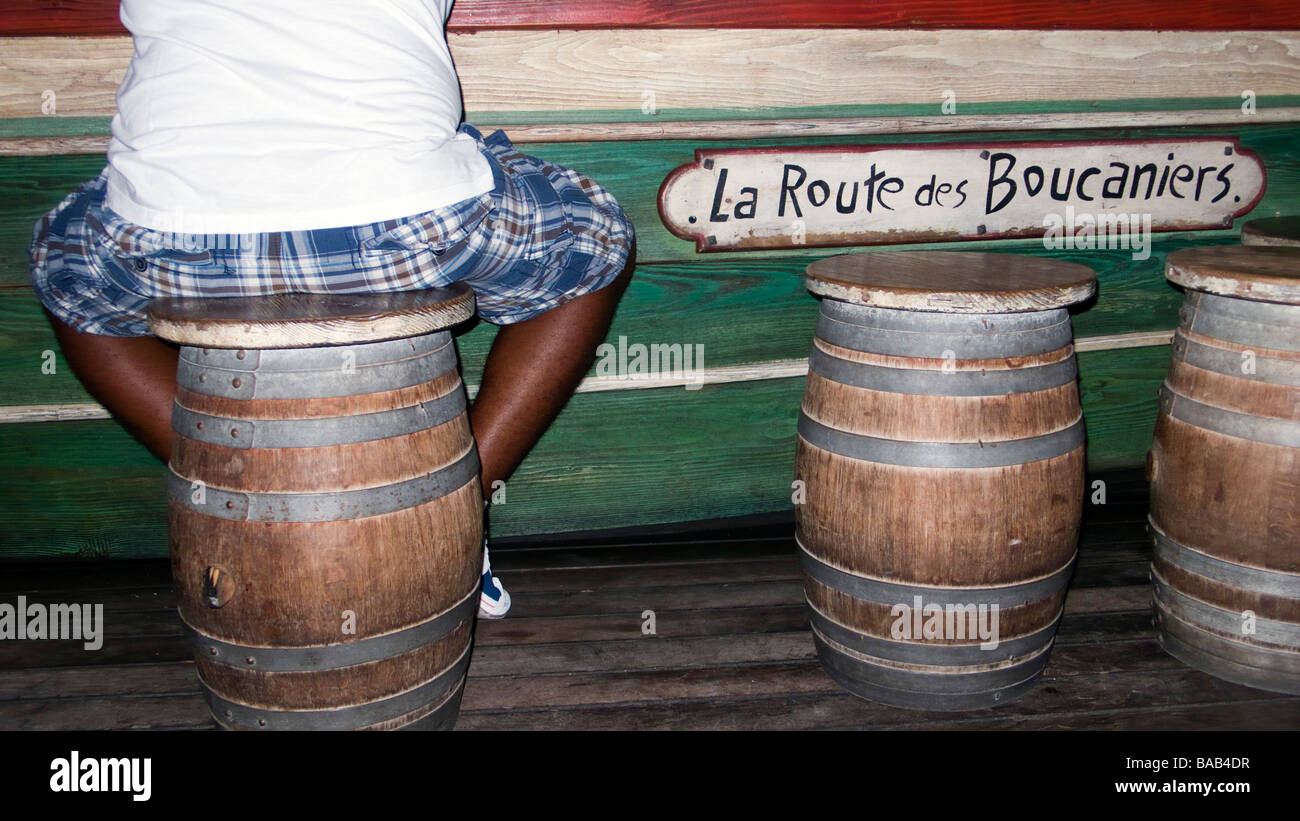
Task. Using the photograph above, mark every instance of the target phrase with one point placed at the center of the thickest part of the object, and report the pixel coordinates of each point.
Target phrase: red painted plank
(1191, 15)
(99, 17)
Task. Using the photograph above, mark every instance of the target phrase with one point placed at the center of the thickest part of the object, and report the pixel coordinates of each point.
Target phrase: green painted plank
(79, 490)
(740, 311)
(633, 172)
(1120, 395)
(29, 188)
(92, 126)
(611, 460)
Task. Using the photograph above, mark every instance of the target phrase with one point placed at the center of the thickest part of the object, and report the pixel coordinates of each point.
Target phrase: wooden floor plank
(1102, 695)
(168, 678)
(188, 711)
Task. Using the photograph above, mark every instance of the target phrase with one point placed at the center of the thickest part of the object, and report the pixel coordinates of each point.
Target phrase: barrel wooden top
(1262, 273)
(1272, 231)
(306, 320)
(964, 282)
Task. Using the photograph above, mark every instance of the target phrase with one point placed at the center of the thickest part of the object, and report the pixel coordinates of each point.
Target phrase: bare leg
(532, 370)
(133, 377)
(530, 373)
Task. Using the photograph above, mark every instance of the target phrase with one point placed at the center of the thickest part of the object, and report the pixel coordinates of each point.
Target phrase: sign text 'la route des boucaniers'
(737, 199)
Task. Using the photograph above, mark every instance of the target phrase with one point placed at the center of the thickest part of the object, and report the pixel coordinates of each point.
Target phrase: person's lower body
(548, 253)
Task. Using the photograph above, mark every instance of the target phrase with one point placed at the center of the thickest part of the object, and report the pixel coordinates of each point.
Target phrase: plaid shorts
(542, 236)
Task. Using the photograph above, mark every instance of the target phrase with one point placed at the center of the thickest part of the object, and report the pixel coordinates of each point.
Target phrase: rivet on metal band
(340, 378)
(319, 431)
(341, 718)
(941, 454)
(886, 592)
(1282, 432)
(334, 656)
(322, 507)
(943, 383)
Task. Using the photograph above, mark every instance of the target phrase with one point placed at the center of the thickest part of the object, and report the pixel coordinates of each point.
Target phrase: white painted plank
(656, 70)
(775, 369)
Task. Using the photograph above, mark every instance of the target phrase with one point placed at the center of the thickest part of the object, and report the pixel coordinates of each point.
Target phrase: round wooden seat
(1244, 272)
(1284, 231)
(1224, 468)
(963, 282)
(940, 442)
(306, 320)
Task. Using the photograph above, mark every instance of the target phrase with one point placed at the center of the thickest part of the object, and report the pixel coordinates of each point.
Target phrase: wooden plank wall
(626, 91)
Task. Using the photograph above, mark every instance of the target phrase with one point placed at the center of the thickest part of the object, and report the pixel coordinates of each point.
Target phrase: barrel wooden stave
(1028, 517)
(1225, 505)
(899, 526)
(395, 570)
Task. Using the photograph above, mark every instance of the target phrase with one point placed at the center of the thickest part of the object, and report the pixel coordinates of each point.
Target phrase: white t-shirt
(250, 116)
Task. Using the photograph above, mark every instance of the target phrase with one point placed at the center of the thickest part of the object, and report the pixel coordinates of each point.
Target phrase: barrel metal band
(340, 378)
(1256, 580)
(913, 684)
(884, 592)
(317, 432)
(334, 656)
(341, 718)
(1231, 363)
(1228, 622)
(1282, 432)
(932, 653)
(1206, 652)
(942, 383)
(322, 507)
(1243, 321)
(941, 454)
(901, 319)
(926, 335)
(1250, 310)
(318, 358)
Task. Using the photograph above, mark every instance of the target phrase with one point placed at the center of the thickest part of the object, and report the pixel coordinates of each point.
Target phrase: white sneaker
(494, 601)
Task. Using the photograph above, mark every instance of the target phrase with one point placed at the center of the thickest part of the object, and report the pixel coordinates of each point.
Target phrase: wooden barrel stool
(941, 450)
(325, 514)
(1280, 231)
(1225, 469)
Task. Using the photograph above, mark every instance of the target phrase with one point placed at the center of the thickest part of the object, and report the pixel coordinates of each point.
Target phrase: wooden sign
(738, 199)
